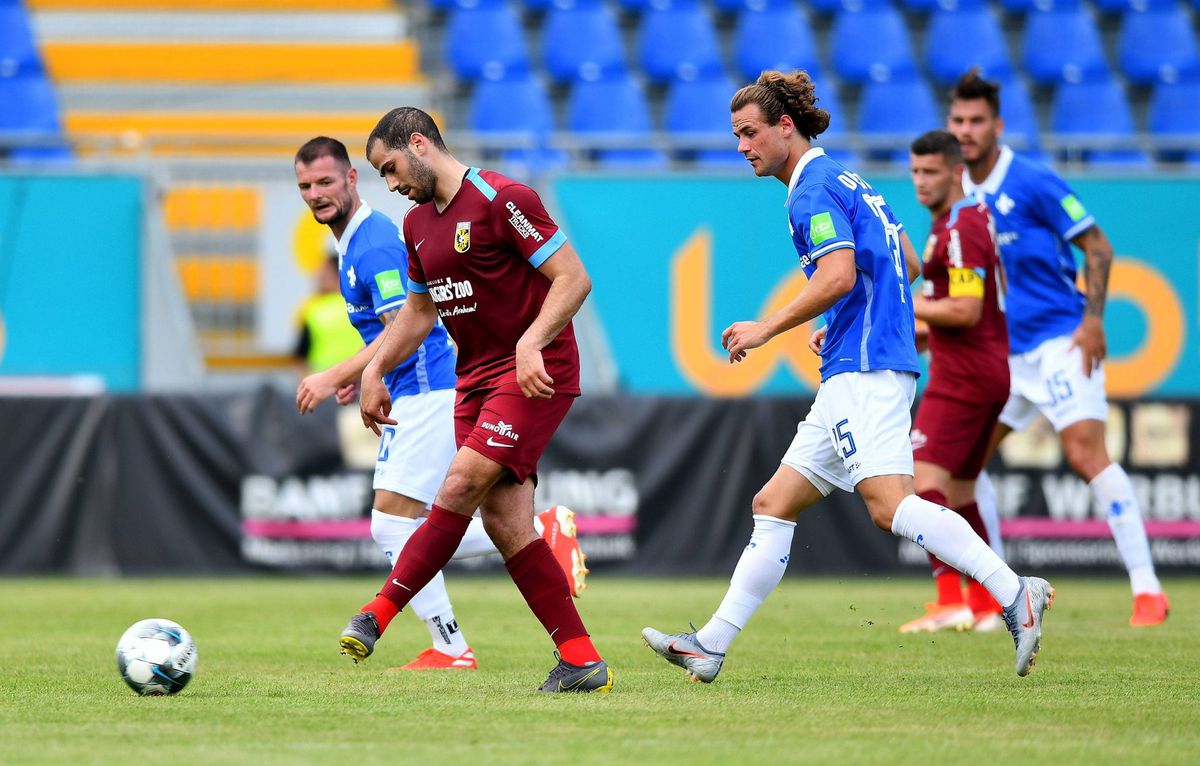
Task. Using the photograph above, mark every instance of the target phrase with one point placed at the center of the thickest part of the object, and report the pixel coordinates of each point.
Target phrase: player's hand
(374, 401)
(532, 377)
(1089, 339)
(347, 394)
(313, 390)
(816, 341)
(740, 337)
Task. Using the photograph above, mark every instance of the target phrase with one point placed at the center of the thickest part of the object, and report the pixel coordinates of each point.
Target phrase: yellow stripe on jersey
(965, 283)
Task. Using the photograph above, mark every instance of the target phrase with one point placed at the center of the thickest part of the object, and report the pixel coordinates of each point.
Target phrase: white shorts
(1050, 379)
(857, 428)
(415, 453)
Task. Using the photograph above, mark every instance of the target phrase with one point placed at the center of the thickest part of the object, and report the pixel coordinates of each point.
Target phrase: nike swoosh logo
(491, 443)
(671, 648)
(1028, 608)
(418, 245)
(400, 584)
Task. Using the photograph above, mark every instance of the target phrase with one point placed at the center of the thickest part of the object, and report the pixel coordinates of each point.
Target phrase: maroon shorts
(503, 425)
(954, 434)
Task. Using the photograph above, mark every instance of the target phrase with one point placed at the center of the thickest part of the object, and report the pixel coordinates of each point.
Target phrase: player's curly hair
(972, 86)
(396, 127)
(777, 94)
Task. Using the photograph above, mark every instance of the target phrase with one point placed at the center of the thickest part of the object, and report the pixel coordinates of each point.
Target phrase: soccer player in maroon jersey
(962, 305)
(488, 261)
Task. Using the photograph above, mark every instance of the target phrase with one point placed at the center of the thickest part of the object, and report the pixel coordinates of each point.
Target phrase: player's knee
(882, 516)
(768, 503)
(1085, 458)
(459, 489)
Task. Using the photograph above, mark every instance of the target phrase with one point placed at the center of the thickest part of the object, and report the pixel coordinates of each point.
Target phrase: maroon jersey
(478, 259)
(968, 363)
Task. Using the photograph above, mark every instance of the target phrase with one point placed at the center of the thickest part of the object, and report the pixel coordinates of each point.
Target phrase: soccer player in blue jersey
(415, 453)
(859, 264)
(1056, 333)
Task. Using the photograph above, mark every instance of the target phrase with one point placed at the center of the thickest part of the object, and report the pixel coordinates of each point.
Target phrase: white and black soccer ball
(156, 657)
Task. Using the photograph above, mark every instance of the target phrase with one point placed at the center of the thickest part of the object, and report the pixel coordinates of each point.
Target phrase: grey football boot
(1024, 620)
(359, 637)
(566, 677)
(684, 650)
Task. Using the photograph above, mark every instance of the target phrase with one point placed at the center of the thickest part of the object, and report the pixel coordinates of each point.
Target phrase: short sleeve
(520, 219)
(416, 274)
(383, 271)
(821, 220)
(1059, 208)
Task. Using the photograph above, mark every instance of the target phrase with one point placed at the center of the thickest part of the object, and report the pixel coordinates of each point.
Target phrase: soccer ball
(156, 657)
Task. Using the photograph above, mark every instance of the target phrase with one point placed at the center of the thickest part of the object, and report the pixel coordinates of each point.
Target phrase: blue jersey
(1036, 217)
(830, 208)
(372, 265)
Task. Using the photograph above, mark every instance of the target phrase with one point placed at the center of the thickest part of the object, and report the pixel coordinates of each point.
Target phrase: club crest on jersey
(462, 237)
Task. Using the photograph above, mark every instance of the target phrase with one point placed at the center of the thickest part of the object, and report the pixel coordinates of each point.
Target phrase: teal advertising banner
(676, 260)
(70, 286)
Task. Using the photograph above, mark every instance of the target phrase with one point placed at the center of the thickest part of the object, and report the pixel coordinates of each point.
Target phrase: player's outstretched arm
(833, 280)
(404, 335)
(1097, 261)
(569, 286)
(319, 386)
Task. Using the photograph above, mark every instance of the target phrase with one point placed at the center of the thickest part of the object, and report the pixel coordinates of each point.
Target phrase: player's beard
(424, 180)
(333, 215)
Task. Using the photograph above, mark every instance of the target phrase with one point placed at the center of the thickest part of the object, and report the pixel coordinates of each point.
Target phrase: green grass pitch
(821, 676)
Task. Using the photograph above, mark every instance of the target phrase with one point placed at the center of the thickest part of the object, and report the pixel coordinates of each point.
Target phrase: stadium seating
(678, 42)
(1124, 6)
(614, 112)
(582, 43)
(1174, 119)
(1156, 44)
(889, 53)
(29, 104)
(697, 112)
(948, 57)
(1093, 114)
(18, 53)
(775, 38)
(517, 110)
(1062, 45)
(486, 43)
(893, 113)
(1020, 116)
(754, 6)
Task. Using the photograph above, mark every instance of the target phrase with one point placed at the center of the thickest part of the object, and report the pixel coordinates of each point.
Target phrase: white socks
(758, 572)
(475, 542)
(1114, 496)
(948, 536)
(989, 511)
(432, 603)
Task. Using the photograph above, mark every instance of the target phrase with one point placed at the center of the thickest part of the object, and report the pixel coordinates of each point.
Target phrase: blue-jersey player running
(415, 453)
(859, 264)
(1056, 333)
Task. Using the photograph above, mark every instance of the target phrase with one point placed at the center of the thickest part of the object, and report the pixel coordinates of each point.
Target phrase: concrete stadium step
(215, 6)
(234, 62)
(261, 132)
(164, 25)
(103, 97)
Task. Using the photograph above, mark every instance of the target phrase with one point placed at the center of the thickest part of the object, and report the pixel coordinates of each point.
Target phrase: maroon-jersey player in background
(962, 304)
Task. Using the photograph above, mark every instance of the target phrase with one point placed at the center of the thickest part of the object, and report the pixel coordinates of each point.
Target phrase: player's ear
(352, 176)
(999, 126)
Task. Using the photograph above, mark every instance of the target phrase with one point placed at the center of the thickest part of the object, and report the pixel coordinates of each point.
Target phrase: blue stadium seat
(1156, 44)
(518, 108)
(1024, 6)
(1125, 6)
(613, 109)
(1020, 116)
(779, 38)
(486, 43)
(448, 5)
(1175, 115)
(678, 43)
(562, 5)
(18, 51)
(697, 112)
(871, 45)
(1063, 45)
(853, 6)
(31, 109)
(891, 114)
(1096, 110)
(955, 41)
(754, 6)
(582, 44)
